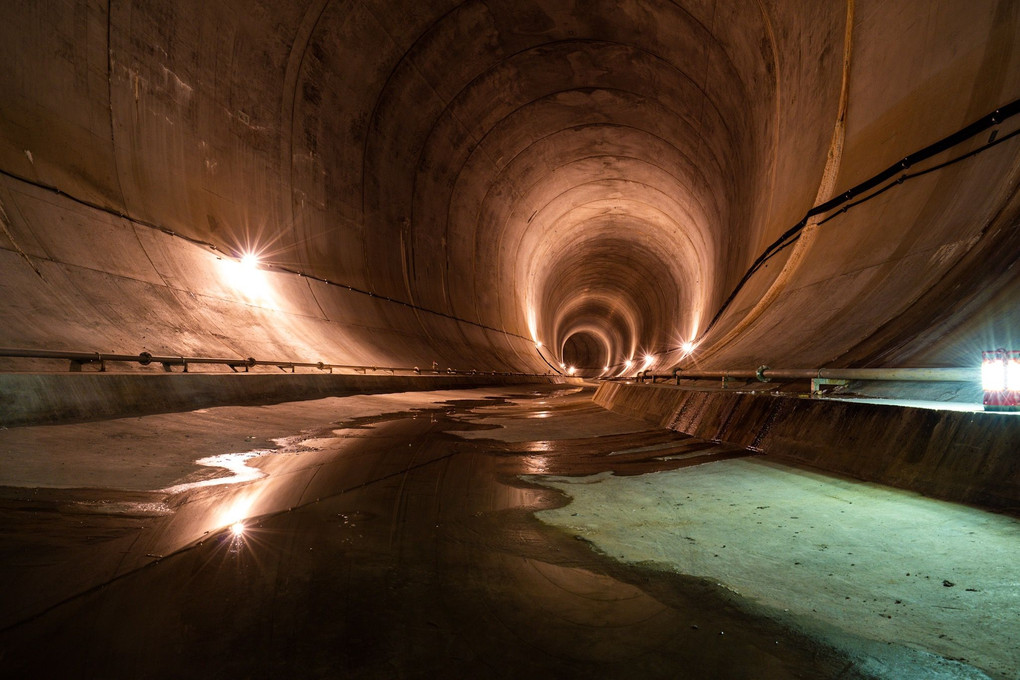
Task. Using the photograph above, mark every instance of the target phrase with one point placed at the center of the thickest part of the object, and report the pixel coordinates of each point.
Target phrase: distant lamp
(250, 261)
(1000, 379)
(628, 363)
(571, 370)
(687, 347)
(538, 344)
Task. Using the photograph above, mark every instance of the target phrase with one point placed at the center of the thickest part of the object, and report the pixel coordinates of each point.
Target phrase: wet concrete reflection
(380, 547)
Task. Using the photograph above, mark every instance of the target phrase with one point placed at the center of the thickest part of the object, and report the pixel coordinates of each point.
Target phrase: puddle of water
(235, 463)
(122, 508)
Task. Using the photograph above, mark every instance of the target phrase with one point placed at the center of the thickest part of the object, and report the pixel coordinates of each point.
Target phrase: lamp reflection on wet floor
(536, 465)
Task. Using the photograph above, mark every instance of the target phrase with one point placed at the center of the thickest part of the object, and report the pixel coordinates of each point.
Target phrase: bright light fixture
(1000, 379)
(993, 375)
(538, 344)
(687, 347)
(571, 370)
(237, 529)
(248, 278)
(628, 363)
(1013, 375)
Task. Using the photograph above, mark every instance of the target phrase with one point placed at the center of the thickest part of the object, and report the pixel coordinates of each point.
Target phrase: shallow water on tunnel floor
(404, 551)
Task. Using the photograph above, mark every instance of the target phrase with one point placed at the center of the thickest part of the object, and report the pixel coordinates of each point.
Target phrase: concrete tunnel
(489, 195)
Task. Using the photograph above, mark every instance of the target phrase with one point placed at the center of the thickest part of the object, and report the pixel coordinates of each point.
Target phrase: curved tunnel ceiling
(465, 180)
(526, 159)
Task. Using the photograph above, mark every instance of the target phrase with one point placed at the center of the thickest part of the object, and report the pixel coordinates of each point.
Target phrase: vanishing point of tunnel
(492, 338)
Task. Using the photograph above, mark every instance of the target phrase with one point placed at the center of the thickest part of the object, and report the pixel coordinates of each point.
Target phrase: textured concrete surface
(492, 185)
(848, 561)
(457, 180)
(158, 451)
(395, 536)
(377, 543)
(964, 456)
(35, 398)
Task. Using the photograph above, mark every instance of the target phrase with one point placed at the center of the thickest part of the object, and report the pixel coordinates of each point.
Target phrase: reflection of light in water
(533, 325)
(237, 537)
(125, 508)
(237, 506)
(233, 515)
(539, 446)
(234, 462)
(540, 414)
(536, 465)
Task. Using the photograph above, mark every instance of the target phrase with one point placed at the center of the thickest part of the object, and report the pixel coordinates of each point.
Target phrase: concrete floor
(856, 563)
(396, 536)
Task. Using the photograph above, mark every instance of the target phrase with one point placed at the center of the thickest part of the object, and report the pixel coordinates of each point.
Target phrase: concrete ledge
(960, 456)
(35, 398)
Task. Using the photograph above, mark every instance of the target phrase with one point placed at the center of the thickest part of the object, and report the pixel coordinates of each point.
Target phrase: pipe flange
(145, 358)
(760, 374)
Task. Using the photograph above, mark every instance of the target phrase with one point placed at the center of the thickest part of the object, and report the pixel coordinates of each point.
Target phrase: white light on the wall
(1013, 373)
(247, 277)
(993, 375)
(1000, 379)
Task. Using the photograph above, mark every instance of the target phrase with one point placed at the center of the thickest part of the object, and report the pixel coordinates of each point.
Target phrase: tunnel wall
(79, 279)
(33, 399)
(145, 146)
(954, 455)
(908, 277)
(452, 181)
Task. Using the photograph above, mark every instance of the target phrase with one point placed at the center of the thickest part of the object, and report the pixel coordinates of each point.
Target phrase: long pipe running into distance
(765, 374)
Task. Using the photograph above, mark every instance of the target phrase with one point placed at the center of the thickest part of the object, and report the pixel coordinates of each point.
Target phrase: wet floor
(395, 544)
